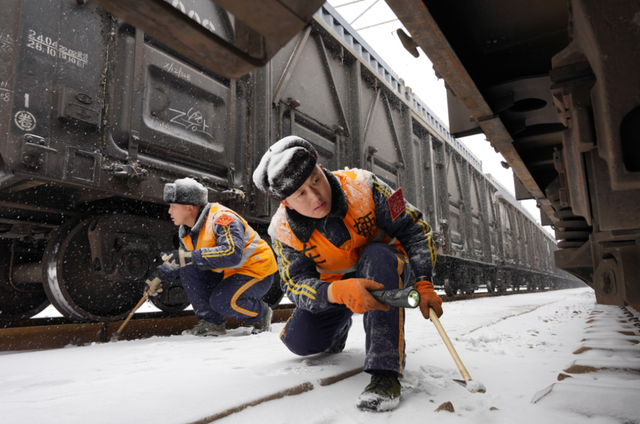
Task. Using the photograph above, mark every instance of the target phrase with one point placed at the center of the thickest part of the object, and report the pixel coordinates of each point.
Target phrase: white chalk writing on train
(6, 70)
(46, 45)
(25, 120)
(160, 123)
(192, 120)
(177, 71)
(5, 93)
(193, 15)
(6, 43)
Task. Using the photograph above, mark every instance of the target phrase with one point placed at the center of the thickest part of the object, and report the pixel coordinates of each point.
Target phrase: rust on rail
(53, 333)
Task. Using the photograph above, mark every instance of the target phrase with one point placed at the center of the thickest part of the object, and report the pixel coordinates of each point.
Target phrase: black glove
(179, 257)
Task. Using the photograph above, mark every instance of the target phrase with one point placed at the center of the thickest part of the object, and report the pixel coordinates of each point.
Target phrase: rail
(55, 333)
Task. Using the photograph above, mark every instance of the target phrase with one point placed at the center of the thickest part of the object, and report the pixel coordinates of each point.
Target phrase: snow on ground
(515, 345)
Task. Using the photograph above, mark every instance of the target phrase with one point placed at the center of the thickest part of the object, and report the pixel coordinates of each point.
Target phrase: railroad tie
(597, 382)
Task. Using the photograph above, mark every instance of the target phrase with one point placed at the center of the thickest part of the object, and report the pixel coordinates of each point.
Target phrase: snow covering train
(96, 116)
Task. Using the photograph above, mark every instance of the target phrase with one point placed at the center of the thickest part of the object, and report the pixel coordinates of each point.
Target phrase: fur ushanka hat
(186, 191)
(285, 167)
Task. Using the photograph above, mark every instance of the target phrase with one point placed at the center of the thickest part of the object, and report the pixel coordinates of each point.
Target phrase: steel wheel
(172, 298)
(490, 278)
(18, 302)
(72, 286)
(450, 288)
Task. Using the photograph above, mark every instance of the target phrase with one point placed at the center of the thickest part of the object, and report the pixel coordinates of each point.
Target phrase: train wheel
(469, 289)
(490, 286)
(73, 288)
(490, 278)
(471, 282)
(172, 298)
(450, 289)
(501, 281)
(531, 284)
(18, 302)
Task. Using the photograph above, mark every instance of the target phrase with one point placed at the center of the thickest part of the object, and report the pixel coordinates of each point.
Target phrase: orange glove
(428, 299)
(354, 293)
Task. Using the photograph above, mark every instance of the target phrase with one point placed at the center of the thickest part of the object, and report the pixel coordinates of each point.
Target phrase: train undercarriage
(554, 87)
(91, 268)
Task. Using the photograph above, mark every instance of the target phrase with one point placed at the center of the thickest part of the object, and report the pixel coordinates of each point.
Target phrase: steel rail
(55, 333)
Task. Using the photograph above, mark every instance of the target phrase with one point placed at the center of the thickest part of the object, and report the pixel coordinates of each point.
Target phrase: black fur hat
(285, 167)
(186, 191)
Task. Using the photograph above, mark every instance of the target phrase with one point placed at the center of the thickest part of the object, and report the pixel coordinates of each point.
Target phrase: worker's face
(181, 214)
(313, 198)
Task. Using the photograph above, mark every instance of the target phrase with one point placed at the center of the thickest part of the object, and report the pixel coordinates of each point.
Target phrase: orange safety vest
(333, 262)
(257, 258)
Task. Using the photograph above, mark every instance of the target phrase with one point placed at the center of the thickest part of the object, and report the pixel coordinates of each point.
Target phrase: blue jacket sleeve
(409, 228)
(299, 279)
(229, 249)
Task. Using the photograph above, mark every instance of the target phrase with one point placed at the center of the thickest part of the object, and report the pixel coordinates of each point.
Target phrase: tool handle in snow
(434, 318)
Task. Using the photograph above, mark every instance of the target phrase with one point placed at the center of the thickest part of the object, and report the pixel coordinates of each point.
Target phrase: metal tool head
(472, 386)
(115, 337)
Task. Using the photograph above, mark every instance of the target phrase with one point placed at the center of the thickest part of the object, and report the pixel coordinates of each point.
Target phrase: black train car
(96, 116)
(554, 86)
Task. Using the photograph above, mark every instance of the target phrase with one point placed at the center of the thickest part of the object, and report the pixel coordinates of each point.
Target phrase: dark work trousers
(214, 298)
(307, 333)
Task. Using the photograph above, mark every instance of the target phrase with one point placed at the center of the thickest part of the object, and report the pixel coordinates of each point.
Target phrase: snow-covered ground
(515, 345)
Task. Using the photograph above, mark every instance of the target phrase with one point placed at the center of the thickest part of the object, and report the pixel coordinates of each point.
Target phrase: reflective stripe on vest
(249, 248)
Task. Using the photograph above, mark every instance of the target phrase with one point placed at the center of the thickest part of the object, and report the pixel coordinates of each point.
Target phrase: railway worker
(337, 236)
(224, 265)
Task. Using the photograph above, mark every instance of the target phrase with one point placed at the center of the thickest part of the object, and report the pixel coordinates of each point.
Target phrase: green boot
(204, 328)
(264, 324)
(382, 394)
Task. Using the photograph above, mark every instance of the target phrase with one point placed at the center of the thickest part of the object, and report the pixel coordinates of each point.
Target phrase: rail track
(58, 332)
(602, 367)
(601, 378)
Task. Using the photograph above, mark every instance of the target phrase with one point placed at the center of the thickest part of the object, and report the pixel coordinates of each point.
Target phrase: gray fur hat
(285, 167)
(186, 191)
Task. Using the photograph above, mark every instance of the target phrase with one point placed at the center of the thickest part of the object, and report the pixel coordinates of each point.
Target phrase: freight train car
(554, 86)
(97, 115)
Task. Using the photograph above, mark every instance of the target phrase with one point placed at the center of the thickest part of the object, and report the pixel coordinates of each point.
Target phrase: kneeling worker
(224, 265)
(337, 236)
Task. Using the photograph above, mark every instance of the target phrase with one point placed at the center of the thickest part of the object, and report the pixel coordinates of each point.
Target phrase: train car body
(96, 116)
(554, 86)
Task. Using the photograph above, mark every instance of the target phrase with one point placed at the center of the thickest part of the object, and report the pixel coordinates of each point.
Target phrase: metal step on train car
(96, 116)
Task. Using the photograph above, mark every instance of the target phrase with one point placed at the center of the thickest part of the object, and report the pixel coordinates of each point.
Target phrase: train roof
(359, 47)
